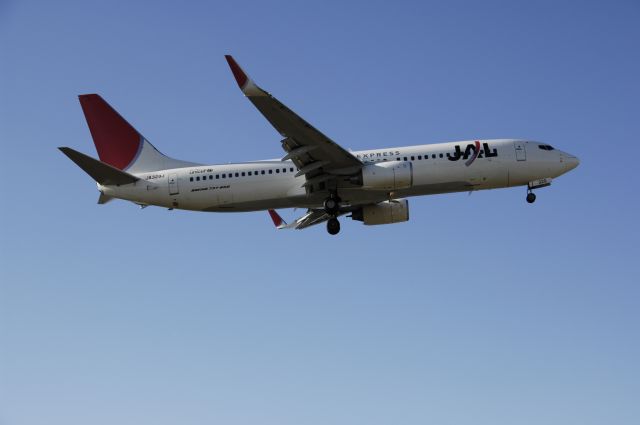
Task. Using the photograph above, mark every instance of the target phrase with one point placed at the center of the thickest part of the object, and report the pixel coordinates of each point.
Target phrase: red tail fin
(117, 142)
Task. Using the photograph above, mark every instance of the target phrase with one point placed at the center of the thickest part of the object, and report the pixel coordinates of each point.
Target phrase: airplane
(315, 173)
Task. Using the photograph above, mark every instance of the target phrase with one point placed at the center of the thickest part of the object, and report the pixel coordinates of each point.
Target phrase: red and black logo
(471, 152)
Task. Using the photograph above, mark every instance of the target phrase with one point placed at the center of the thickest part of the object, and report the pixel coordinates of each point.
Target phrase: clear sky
(481, 310)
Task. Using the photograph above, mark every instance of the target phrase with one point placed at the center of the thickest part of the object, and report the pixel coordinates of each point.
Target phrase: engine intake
(386, 176)
(387, 212)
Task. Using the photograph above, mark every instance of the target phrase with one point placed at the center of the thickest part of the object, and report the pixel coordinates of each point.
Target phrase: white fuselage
(271, 184)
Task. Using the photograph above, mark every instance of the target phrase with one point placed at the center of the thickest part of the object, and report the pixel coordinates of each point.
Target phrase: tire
(333, 226)
(531, 197)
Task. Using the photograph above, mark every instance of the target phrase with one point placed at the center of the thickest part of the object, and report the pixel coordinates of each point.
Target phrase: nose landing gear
(531, 197)
(536, 184)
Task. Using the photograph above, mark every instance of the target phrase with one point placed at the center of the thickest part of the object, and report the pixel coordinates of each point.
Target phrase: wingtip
(240, 76)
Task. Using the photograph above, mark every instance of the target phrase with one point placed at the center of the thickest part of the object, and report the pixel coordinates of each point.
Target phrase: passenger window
(397, 159)
(190, 179)
(419, 157)
(243, 174)
(249, 172)
(224, 176)
(433, 156)
(270, 171)
(413, 158)
(291, 169)
(217, 176)
(198, 178)
(262, 172)
(441, 155)
(284, 170)
(405, 158)
(236, 174)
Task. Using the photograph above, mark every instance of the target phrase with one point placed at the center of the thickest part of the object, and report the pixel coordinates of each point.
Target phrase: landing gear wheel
(332, 205)
(333, 226)
(531, 197)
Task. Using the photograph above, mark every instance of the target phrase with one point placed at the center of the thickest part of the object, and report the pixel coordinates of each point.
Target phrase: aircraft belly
(251, 197)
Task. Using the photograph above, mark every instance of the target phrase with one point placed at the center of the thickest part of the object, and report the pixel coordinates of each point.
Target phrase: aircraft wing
(311, 218)
(317, 157)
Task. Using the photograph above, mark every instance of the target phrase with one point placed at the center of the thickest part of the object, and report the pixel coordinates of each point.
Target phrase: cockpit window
(546, 147)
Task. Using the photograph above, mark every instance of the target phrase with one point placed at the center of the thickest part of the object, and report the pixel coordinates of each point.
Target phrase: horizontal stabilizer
(103, 199)
(102, 173)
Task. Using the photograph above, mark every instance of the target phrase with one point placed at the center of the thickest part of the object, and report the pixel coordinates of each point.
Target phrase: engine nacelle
(387, 176)
(387, 212)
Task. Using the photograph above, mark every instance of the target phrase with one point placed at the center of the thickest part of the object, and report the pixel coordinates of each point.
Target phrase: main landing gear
(531, 197)
(332, 207)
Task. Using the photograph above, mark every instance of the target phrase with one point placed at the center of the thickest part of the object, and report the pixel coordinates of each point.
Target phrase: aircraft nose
(571, 162)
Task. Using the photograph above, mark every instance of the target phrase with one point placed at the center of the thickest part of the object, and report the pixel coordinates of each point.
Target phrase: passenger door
(521, 153)
(173, 184)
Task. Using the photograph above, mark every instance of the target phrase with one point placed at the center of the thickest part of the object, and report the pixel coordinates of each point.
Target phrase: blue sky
(481, 310)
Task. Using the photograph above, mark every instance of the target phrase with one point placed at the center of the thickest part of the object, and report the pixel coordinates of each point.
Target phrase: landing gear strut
(332, 207)
(332, 204)
(531, 197)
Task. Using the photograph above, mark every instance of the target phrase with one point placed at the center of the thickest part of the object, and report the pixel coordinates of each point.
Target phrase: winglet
(277, 220)
(248, 87)
(238, 73)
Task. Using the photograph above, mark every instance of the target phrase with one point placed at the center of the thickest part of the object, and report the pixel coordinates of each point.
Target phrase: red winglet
(277, 220)
(238, 73)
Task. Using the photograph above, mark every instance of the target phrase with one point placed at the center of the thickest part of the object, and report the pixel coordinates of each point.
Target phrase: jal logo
(471, 152)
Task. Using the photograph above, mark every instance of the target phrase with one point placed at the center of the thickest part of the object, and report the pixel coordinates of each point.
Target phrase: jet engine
(387, 212)
(386, 176)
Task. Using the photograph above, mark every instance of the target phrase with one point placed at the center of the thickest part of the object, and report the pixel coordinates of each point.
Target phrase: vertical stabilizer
(118, 143)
